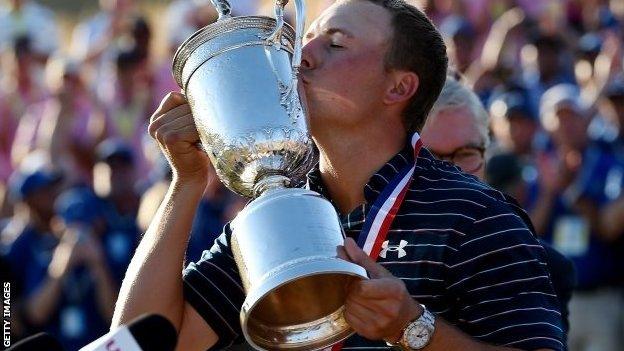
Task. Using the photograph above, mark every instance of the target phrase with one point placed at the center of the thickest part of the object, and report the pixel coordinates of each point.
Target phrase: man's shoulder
(220, 250)
(444, 171)
(442, 187)
(441, 180)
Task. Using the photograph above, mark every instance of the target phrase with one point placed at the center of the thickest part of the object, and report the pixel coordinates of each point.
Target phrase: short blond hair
(456, 95)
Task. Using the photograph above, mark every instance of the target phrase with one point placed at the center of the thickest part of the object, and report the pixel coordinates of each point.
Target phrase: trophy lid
(238, 78)
(216, 31)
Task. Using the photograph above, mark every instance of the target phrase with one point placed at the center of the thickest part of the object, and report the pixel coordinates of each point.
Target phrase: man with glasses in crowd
(457, 128)
(457, 131)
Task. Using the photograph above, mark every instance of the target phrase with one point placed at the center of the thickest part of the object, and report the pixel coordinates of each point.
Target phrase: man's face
(342, 70)
(571, 129)
(453, 135)
(522, 131)
(114, 178)
(42, 200)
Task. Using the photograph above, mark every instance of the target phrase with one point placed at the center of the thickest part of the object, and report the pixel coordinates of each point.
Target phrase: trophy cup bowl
(239, 76)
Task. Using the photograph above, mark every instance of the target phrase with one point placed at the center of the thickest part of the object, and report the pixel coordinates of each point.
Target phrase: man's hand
(378, 308)
(65, 256)
(173, 127)
(91, 250)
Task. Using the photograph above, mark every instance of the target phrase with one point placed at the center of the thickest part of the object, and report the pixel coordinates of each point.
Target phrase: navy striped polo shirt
(463, 249)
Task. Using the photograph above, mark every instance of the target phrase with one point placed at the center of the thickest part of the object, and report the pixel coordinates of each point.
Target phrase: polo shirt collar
(379, 180)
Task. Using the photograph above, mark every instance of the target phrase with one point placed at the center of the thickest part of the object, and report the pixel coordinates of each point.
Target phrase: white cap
(558, 97)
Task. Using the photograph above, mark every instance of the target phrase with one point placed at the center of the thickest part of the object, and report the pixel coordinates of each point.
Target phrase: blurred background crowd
(80, 179)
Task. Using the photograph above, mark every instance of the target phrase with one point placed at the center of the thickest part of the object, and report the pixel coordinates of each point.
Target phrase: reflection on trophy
(240, 78)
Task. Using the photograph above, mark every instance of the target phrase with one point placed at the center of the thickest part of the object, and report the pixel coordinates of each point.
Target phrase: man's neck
(349, 161)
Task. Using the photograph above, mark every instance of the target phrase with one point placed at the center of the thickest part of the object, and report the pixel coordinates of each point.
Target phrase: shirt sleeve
(213, 287)
(501, 283)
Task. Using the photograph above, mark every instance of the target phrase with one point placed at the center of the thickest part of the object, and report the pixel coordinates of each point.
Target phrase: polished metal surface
(240, 78)
(285, 244)
(223, 8)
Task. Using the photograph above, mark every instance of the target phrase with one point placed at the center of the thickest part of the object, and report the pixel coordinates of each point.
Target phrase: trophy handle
(223, 8)
(300, 19)
(276, 37)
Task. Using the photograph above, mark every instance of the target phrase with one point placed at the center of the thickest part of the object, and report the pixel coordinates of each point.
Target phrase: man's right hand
(172, 126)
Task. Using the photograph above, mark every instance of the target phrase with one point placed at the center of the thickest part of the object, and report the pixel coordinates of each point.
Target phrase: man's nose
(308, 58)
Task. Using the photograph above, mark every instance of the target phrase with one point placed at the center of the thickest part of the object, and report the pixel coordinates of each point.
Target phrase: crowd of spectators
(79, 176)
(80, 179)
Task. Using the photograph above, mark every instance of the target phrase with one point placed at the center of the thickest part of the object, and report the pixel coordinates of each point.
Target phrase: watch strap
(426, 318)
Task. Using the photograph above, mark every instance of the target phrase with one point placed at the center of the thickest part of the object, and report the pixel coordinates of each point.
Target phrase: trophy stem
(271, 182)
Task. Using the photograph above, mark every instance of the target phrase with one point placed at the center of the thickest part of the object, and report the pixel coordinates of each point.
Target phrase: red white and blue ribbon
(384, 210)
(386, 206)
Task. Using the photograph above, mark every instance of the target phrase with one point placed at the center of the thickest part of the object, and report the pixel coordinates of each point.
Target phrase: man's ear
(404, 85)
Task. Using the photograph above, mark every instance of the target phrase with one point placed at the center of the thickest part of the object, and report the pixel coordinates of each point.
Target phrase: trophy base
(300, 307)
(285, 244)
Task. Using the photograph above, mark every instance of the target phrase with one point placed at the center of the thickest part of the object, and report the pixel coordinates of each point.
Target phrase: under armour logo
(385, 247)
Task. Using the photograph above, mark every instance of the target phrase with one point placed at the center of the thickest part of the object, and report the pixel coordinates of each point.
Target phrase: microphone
(145, 333)
(40, 341)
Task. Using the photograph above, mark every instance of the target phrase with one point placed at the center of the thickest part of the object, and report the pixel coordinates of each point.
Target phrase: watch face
(418, 335)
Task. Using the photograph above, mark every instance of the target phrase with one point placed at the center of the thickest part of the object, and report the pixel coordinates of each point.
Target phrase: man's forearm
(447, 337)
(153, 282)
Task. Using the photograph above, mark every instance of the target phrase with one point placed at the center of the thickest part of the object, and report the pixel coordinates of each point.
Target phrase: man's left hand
(380, 307)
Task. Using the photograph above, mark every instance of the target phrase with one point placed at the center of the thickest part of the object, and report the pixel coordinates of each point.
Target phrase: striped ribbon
(382, 213)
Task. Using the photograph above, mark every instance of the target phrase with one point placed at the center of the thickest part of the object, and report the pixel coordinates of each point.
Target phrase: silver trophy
(240, 78)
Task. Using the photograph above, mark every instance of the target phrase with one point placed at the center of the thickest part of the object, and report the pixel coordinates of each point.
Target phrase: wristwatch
(417, 334)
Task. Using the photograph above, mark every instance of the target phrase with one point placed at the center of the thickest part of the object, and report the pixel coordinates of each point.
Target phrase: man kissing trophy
(240, 78)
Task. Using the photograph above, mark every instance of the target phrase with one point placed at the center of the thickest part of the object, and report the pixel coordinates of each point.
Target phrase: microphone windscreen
(37, 342)
(154, 333)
